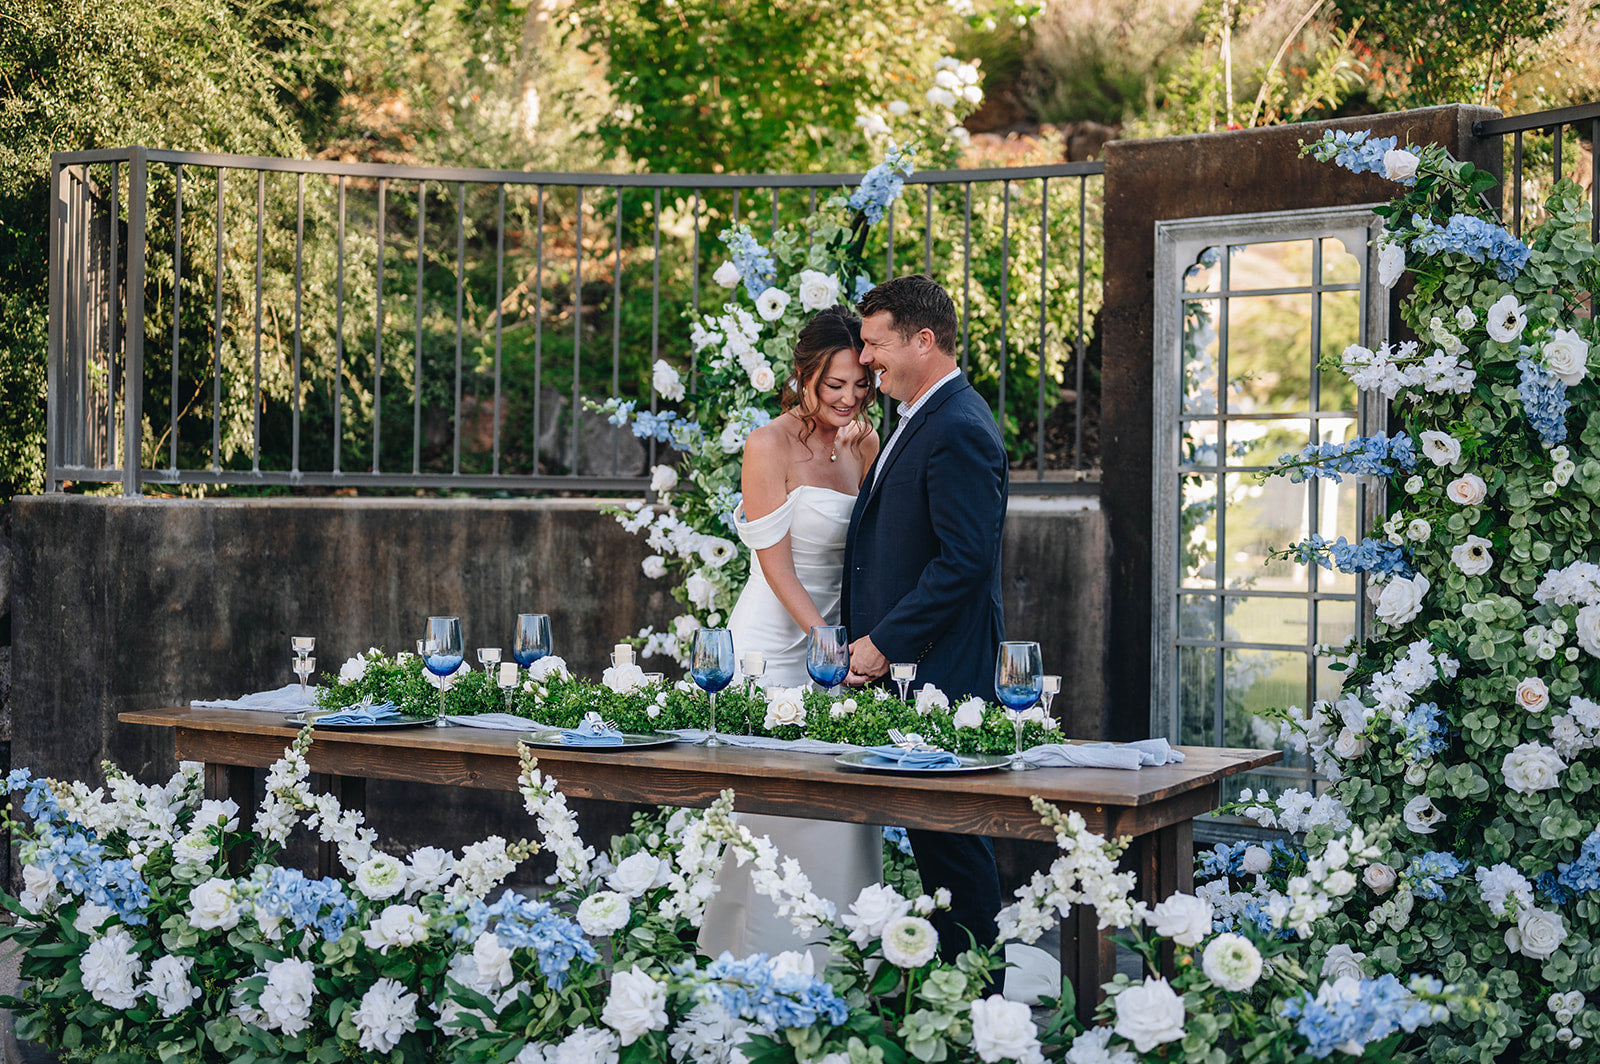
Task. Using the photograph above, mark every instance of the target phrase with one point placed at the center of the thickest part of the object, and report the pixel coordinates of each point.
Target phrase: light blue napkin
(920, 759)
(590, 733)
(382, 713)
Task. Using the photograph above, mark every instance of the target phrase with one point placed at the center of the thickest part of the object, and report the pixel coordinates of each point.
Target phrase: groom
(922, 562)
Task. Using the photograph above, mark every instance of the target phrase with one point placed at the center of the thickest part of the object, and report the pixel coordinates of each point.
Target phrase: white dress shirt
(907, 411)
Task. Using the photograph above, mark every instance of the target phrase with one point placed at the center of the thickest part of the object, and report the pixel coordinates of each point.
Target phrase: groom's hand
(866, 662)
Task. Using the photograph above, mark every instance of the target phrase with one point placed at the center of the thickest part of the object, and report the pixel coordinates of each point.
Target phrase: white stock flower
(663, 479)
(762, 379)
(1506, 319)
(1183, 918)
(603, 913)
(636, 1005)
(1566, 354)
(381, 876)
(1532, 767)
(397, 925)
(930, 697)
(1400, 600)
(111, 969)
(353, 670)
(909, 942)
(1532, 694)
(969, 714)
(286, 999)
(636, 874)
(1232, 962)
(1391, 262)
(818, 291)
(785, 706)
(386, 1014)
(771, 303)
(1150, 1014)
(1466, 490)
(586, 1045)
(1379, 877)
(1422, 816)
(1399, 164)
(1472, 556)
(727, 275)
(169, 984)
(1440, 447)
(1342, 962)
(1538, 934)
(654, 566)
(214, 905)
(871, 912)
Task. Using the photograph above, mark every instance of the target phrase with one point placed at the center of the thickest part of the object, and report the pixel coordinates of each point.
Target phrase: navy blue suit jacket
(922, 562)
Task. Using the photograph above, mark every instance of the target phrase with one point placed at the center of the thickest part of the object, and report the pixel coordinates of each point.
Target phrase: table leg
(1165, 865)
(352, 794)
(239, 783)
(1088, 958)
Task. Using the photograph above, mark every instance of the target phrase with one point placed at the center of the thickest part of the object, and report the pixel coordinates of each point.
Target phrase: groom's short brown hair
(915, 302)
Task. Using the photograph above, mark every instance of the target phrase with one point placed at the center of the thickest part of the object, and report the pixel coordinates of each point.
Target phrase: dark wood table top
(768, 781)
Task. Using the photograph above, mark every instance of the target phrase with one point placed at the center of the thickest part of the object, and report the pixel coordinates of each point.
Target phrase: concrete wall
(127, 604)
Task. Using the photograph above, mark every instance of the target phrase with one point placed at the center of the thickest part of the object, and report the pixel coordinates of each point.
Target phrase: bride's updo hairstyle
(834, 329)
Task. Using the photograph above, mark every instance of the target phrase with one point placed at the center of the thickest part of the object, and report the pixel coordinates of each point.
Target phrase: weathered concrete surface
(1247, 171)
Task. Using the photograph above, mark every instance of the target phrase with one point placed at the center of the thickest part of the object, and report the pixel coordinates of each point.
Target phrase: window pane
(1200, 356)
(1256, 680)
(1341, 327)
(1336, 516)
(1269, 354)
(1197, 532)
(1204, 275)
(1282, 264)
(1263, 516)
(1197, 695)
(1336, 621)
(1197, 616)
(1330, 681)
(1262, 443)
(1198, 446)
(1341, 265)
(1262, 619)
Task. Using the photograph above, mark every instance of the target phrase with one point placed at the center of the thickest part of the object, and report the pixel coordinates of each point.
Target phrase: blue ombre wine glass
(711, 666)
(1018, 683)
(443, 652)
(828, 655)
(531, 641)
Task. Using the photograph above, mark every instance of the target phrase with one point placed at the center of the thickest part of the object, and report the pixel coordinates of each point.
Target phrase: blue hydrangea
(1427, 873)
(307, 903)
(897, 838)
(728, 509)
(863, 286)
(1358, 152)
(1544, 400)
(1377, 1008)
(1549, 884)
(1478, 240)
(521, 923)
(80, 865)
(881, 186)
(1582, 875)
(649, 425)
(1426, 735)
(1377, 455)
(686, 435)
(750, 989)
(753, 261)
(1368, 556)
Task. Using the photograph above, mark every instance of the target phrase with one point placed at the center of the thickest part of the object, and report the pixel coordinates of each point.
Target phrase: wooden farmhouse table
(1156, 805)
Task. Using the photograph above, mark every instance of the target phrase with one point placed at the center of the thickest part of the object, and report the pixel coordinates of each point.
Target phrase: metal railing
(223, 319)
(1533, 133)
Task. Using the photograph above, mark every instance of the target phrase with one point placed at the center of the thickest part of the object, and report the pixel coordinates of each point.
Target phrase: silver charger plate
(299, 721)
(551, 740)
(865, 759)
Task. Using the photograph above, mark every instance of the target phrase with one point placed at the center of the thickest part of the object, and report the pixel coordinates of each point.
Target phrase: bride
(800, 478)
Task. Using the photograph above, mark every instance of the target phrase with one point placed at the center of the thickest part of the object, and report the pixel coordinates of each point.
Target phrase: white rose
(635, 874)
(39, 889)
(214, 905)
(636, 1005)
(1399, 164)
(1532, 694)
(1342, 962)
(1472, 556)
(397, 925)
(1422, 816)
(909, 942)
(1149, 1015)
(491, 963)
(1232, 962)
(1586, 626)
(771, 303)
(1400, 600)
(762, 379)
(1506, 319)
(548, 666)
(969, 714)
(1348, 745)
(785, 706)
(818, 291)
(1538, 934)
(1566, 354)
(1340, 883)
(1465, 318)
(1379, 877)
(353, 670)
(1416, 775)
(666, 381)
(380, 877)
(1255, 860)
(429, 869)
(1413, 484)
(1532, 767)
(929, 698)
(1003, 1030)
(1441, 447)
(1391, 262)
(623, 678)
(663, 479)
(1419, 530)
(603, 913)
(1467, 490)
(1183, 918)
(871, 912)
(702, 592)
(654, 566)
(727, 275)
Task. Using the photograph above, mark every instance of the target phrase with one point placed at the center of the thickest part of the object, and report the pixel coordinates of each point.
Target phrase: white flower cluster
(1543, 643)
(1390, 369)
(1396, 689)
(1578, 585)
(111, 969)
(485, 970)
(1085, 874)
(1503, 889)
(1565, 1008)
(735, 334)
(1328, 877)
(557, 825)
(775, 876)
(1295, 810)
(483, 866)
(696, 860)
(1576, 730)
(386, 1014)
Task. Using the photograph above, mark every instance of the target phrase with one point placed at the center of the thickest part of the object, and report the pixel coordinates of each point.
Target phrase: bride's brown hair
(836, 328)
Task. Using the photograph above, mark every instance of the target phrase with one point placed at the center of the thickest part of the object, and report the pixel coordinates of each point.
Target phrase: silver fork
(909, 742)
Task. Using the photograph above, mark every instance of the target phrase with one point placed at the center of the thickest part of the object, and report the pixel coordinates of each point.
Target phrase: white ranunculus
(727, 275)
(654, 566)
(353, 670)
(818, 291)
(1391, 262)
(397, 925)
(169, 984)
(428, 869)
(286, 999)
(1149, 1015)
(930, 698)
(1183, 918)
(603, 913)
(1538, 934)
(1348, 745)
(1566, 354)
(762, 379)
(771, 303)
(635, 874)
(1441, 447)
(1379, 877)
(1422, 816)
(1472, 556)
(871, 912)
(1256, 860)
(1232, 962)
(387, 1013)
(1413, 484)
(1532, 767)
(1400, 600)
(636, 1005)
(381, 876)
(1586, 626)
(701, 591)
(1342, 962)
(785, 706)
(110, 969)
(1467, 490)
(1506, 319)
(214, 905)
(1399, 164)
(1004, 1030)
(909, 942)
(663, 479)
(969, 714)
(1532, 694)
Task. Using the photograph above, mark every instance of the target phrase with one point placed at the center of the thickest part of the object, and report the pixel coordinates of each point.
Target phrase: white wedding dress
(839, 859)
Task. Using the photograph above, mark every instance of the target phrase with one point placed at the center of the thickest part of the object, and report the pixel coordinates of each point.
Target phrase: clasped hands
(867, 663)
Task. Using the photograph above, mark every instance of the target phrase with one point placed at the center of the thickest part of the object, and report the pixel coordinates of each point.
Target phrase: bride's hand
(867, 663)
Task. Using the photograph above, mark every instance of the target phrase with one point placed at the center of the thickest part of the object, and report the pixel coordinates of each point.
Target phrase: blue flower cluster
(1478, 240)
(1544, 400)
(1548, 883)
(1378, 1008)
(1357, 152)
(69, 852)
(881, 186)
(1256, 913)
(898, 838)
(520, 923)
(1427, 872)
(1426, 734)
(863, 286)
(1228, 860)
(753, 261)
(316, 903)
(749, 988)
(663, 427)
(1368, 556)
(1583, 874)
(1377, 456)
